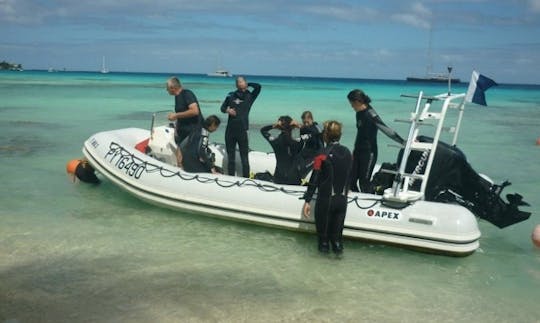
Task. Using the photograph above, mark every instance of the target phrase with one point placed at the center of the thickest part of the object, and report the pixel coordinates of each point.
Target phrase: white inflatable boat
(400, 216)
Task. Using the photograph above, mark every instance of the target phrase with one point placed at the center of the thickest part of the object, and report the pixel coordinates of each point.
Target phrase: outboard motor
(162, 145)
(453, 180)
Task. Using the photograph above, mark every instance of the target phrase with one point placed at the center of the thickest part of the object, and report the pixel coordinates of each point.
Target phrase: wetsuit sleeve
(205, 154)
(391, 133)
(256, 90)
(225, 104)
(265, 131)
(314, 180)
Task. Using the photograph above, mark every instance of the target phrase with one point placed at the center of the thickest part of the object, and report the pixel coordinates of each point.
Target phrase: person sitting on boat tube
(330, 178)
(287, 150)
(198, 157)
(365, 145)
(187, 114)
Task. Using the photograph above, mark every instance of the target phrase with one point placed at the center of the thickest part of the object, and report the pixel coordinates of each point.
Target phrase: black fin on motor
(491, 207)
(516, 199)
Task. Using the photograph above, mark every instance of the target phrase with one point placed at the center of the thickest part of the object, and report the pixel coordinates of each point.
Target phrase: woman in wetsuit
(311, 136)
(287, 150)
(365, 145)
(330, 178)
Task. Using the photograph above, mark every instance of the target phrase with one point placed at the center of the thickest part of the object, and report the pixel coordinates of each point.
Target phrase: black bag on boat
(383, 179)
(266, 176)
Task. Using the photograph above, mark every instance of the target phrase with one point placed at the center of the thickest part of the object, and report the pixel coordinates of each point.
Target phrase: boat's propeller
(491, 207)
(516, 199)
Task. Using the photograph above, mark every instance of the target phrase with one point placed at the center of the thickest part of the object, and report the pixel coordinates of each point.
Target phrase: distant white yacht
(431, 77)
(220, 72)
(104, 69)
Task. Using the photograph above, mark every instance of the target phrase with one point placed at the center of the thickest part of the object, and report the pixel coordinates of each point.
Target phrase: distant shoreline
(346, 79)
(7, 66)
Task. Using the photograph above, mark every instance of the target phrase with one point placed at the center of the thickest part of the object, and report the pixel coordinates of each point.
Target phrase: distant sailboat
(430, 76)
(220, 71)
(104, 69)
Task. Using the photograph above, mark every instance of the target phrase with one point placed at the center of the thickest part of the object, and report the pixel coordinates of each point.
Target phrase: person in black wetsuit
(330, 178)
(365, 145)
(237, 105)
(311, 136)
(287, 150)
(187, 114)
(198, 157)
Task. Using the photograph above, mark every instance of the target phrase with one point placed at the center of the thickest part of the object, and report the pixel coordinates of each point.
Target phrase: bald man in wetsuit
(330, 177)
(237, 105)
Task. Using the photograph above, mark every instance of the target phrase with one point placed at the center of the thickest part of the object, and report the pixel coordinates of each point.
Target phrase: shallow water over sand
(75, 252)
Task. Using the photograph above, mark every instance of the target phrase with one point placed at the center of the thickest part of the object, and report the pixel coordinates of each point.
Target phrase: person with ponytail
(330, 178)
(365, 146)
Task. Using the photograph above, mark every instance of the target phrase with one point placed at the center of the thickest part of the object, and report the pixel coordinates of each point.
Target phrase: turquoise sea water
(75, 252)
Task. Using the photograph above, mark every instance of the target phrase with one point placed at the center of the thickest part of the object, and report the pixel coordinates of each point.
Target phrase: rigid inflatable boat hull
(436, 227)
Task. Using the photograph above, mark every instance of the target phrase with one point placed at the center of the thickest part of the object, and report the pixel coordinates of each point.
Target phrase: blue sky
(360, 39)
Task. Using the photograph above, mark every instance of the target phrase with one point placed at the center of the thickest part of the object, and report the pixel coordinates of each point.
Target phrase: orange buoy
(71, 166)
(535, 236)
(538, 141)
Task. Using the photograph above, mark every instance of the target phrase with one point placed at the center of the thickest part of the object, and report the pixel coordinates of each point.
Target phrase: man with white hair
(187, 114)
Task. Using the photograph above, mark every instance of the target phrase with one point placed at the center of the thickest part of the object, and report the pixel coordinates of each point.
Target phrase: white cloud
(9, 12)
(343, 13)
(420, 10)
(412, 20)
(6, 7)
(417, 16)
(535, 5)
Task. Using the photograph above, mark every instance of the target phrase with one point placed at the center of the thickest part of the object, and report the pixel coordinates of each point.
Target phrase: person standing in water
(330, 177)
(237, 105)
(187, 114)
(365, 145)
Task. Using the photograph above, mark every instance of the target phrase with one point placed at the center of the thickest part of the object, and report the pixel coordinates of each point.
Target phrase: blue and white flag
(478, 85)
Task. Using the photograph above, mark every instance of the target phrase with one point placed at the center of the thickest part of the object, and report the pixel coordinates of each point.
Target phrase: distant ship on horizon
(104, 69)
(220, 72)
(431, 77)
